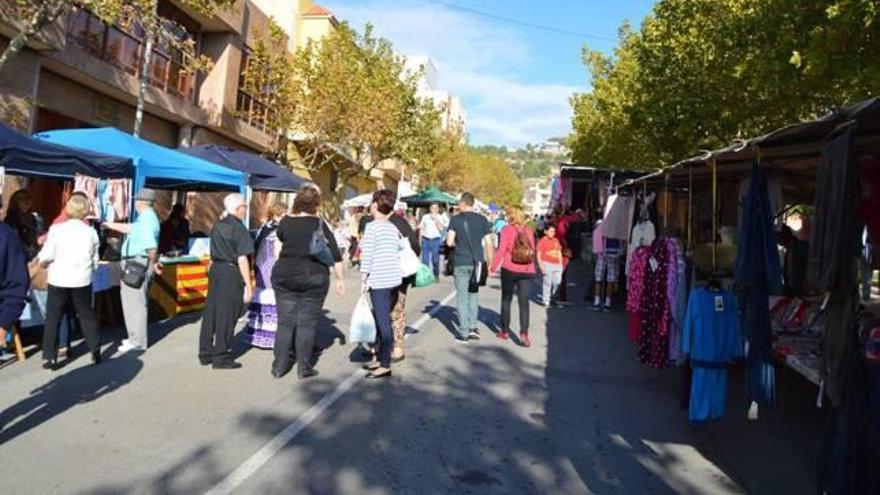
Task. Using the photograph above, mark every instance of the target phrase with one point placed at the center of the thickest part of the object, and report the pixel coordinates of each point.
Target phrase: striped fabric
(380, 255)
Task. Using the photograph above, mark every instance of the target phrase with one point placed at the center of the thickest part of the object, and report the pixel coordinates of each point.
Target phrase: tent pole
(714, 167)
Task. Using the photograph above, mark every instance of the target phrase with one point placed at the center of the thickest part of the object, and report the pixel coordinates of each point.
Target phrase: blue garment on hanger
(712, 339)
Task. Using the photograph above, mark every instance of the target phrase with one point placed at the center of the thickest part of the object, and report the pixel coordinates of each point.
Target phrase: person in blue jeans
(470, 235)
(431, 229)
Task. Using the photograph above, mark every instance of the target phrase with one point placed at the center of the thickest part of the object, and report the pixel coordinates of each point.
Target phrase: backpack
(522, 253)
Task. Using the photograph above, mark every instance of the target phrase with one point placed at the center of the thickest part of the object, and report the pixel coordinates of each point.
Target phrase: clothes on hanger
(711, 341)
(643, 234)
(618, 216)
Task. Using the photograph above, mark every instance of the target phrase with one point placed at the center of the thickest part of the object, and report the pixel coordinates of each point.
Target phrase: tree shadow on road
(66, 391)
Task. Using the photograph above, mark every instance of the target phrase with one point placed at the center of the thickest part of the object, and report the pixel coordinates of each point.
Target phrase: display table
(182, 287)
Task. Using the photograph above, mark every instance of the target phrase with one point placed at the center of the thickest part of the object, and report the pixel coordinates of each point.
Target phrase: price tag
(654, 264)
(719, 304)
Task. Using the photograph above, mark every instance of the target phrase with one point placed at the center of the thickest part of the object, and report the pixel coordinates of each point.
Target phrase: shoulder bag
(481, 271)
(319, 249)
(409, 261)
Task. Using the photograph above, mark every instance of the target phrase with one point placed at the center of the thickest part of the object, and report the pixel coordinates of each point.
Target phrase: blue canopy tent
(23, 155)
(263, 174)
(155, 166)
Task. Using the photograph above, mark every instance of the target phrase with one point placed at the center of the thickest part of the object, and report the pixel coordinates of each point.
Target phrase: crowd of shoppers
(295, 252)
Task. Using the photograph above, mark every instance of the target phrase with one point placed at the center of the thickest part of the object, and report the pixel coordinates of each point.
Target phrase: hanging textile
(676, 288)
(869, 208)
(654, 310)
(643, 234)
(834, 248)
(89, 187)
(634, 287)
(618, 217)
(757, 275)
(711, 340)
(835, 231)
(2, 183)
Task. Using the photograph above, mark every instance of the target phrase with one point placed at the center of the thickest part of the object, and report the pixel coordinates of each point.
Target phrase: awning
(21, 154)
(263, 174)
(429, 196)
(156, 166)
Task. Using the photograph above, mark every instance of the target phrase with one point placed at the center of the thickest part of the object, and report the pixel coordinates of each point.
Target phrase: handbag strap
(467, 234)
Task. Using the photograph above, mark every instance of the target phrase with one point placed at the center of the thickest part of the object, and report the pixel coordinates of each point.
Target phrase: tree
(351, 90)
(700, 73)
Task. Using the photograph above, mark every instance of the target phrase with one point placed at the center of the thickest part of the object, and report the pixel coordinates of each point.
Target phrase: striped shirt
(380, 255)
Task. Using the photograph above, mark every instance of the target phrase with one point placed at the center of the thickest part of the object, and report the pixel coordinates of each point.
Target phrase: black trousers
(223, 308)
(298, 315)
(80, 299)
(519, 284)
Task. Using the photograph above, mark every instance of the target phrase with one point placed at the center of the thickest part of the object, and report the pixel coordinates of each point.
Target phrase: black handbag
(319, 249)
(134, 273)
(448, 266)
(480, 275)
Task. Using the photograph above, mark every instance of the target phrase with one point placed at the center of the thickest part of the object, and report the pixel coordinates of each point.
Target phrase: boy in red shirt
(550, 261)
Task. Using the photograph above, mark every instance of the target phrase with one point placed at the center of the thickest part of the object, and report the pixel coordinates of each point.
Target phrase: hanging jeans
(519, 284)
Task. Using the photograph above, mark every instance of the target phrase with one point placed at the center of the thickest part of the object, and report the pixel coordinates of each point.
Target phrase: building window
(124, 48)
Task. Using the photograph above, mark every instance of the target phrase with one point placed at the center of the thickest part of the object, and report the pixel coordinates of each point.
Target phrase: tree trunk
(146, 59)
(45, 15)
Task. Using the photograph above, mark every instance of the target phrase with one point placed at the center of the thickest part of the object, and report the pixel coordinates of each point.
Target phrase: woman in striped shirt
(381, 276)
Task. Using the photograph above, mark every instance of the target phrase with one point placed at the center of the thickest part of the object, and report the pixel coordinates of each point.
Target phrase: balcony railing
(124, 50)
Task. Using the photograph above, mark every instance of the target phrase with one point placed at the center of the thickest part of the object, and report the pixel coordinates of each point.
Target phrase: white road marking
(271, 448)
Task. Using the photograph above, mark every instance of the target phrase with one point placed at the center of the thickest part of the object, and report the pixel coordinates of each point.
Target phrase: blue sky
(515, 81)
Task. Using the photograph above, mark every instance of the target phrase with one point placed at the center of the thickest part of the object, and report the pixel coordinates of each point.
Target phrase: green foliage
(700, 73)
(350, 89)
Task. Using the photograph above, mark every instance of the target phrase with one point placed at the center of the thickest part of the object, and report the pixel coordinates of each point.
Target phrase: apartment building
(82, 72)
(454, 115)
(536, 196)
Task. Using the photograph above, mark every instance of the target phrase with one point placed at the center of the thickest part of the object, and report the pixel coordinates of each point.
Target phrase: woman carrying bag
(301, 280)
(381, 276)
(516, 259)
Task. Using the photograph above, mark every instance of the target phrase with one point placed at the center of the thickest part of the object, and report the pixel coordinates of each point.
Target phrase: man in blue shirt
(141, 245)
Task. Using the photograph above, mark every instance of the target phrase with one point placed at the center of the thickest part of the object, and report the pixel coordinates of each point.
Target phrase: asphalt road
(574, 413)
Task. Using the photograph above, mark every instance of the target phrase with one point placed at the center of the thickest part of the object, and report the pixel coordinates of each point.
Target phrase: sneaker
(461, 340)
(127, 346)
(606, 309)
(474, 335)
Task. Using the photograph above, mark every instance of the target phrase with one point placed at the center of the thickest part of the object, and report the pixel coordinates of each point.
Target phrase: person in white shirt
(71, 254)
(431, 229)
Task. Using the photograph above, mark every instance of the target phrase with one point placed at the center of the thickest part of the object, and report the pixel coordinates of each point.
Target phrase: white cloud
(476, 60)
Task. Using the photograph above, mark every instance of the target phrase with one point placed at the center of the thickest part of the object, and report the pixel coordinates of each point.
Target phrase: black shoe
(307, 373)
(226, 365)
(281, 371)
(206, 361)
(51, 364)
(96, 356)
(374, 376)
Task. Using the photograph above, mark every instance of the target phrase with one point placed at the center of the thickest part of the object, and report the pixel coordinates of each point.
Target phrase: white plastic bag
(409, 260)
(362, 328)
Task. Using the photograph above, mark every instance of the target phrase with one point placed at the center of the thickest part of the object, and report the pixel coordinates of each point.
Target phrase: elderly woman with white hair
(71, 254)
(229, 284)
